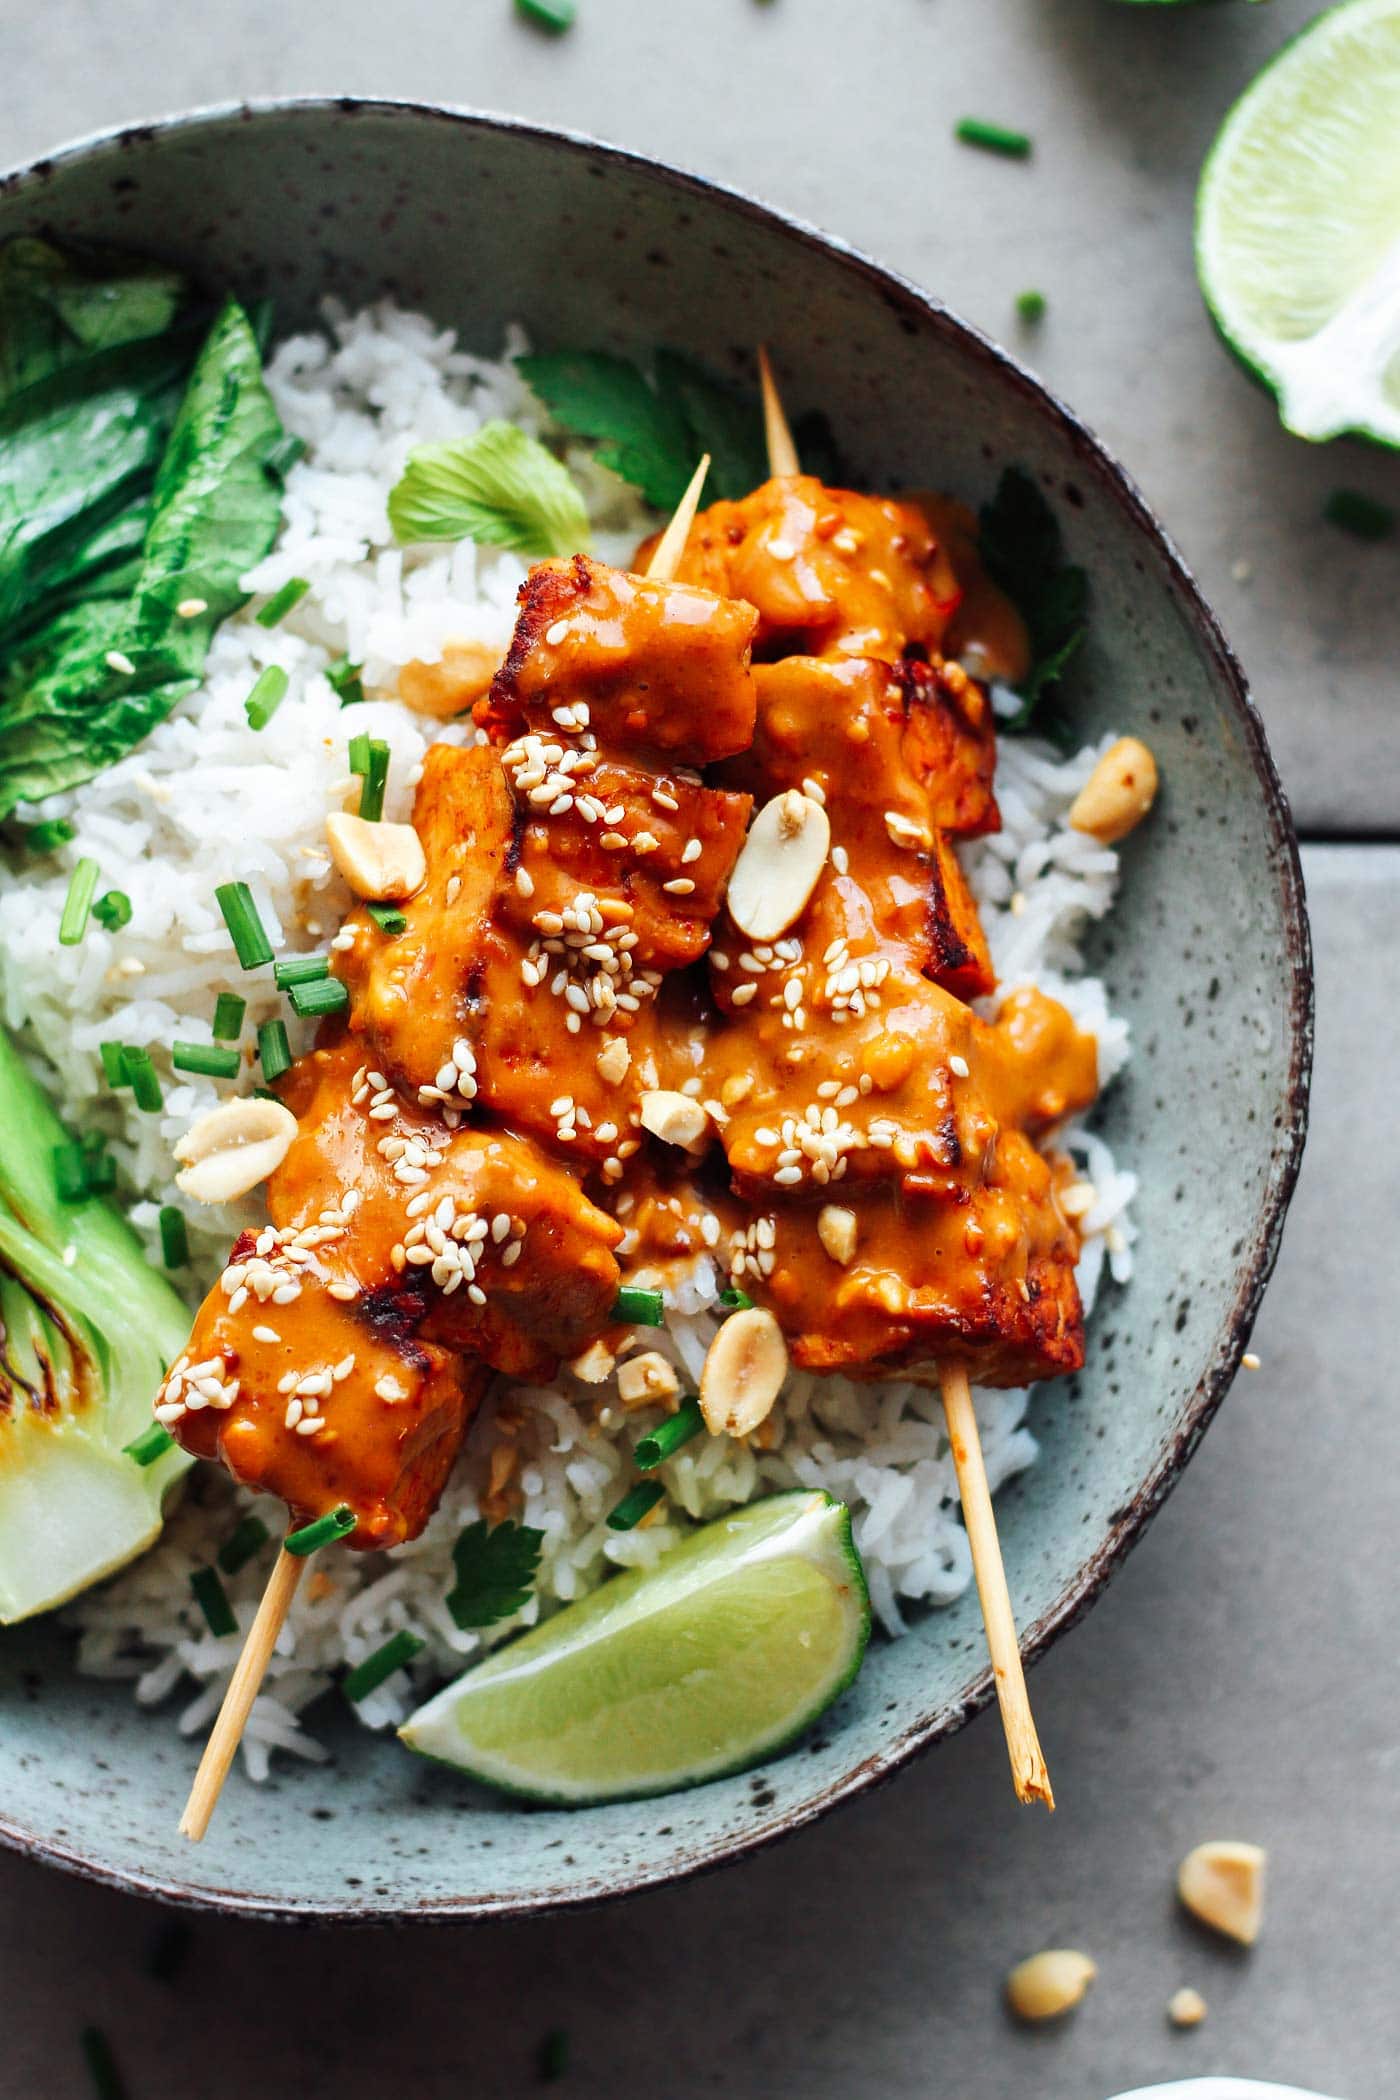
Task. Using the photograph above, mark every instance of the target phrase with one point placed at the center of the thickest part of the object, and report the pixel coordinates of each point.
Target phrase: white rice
(205, 799)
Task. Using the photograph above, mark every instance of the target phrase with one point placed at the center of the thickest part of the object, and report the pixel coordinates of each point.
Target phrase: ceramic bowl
(480, 220)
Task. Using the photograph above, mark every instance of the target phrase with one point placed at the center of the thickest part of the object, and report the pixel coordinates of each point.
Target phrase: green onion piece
(70, 1173)
(153, 1443)
(343, 678)
(329, 996)
(337, 1523)
(212, 1600)
(274, 1050)
(369, 757)
(82, 888)
(174, 1237)
(1030, 307)
(241, 1544)
(284, 455)
(366, 1677)
(300, 969)
(235, 901)
(736, 1301)
(144, 1083)
(114, 1064)
(1363, 516)
(638, 1308)
(281, 602)
(212, 1059)
(266, 697)
(54, 831)
(554, 15)
(387, 917)
(553, 2055)
(113, 910)
(635, 1504)
(993, 138)
(101, 1174)
(107, 2080)
(678, 1429)
(229, 1010)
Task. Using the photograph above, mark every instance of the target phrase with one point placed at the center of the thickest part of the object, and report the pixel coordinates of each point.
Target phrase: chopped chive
(387, 917)
(300, 969)
(113, 910)
(637, 1503)
(736, 1301)
(274, 1050)
(153, 1443)
(1364, 517)
(639, 1308)
(229, 1010)
(82, 888)
(284, 455)
(366, 1677)
(210, 1596)
(553, 2055)
(144, 1084)
(678, 1429)
(53, 832)
(369, 757)
(993, 138)
(554, 15)
(241, 1544)
(251, 944)
(281, 602)
(114, 1064)
(107, 2080)
(1030, 307)
(70, 1173)
(266, 697)
(337, 1523)
(212, 1059)
(101, 1174)
(343, 678)
(328, 996)
(174, 1238)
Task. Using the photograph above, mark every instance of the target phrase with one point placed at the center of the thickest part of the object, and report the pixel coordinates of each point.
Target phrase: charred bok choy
(86, 1329)
(138, 485)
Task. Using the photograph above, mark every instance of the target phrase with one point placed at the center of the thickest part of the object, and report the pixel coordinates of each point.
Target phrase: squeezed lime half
(1298, 226)
(715, 1658)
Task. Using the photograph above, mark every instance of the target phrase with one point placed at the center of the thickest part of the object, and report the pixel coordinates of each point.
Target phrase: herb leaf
(646, 438)
(213, 513)
(1022, 551)
(59, 306)
(498, 487)
(496, 1570)
(724, 421)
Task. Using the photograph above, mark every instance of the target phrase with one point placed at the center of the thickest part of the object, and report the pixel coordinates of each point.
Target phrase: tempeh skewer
(1029, 1773)
(282, 1585)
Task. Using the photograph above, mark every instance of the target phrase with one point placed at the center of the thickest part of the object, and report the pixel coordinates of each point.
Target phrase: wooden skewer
(671, 545)
(1029, 1775)
(782, 453)
(247, 1678)
(243, 1686)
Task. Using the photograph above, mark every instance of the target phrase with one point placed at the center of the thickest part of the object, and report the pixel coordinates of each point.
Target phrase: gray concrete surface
(1239, 1678)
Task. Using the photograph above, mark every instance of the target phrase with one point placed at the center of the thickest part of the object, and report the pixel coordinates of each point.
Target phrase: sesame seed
(958, 1066)
(679, 886)
(554, 635)
(191, 608)
(116, 661)
(693, 851)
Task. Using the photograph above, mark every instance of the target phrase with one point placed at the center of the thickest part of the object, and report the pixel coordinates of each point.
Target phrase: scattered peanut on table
(1049, 1984)
(1222, 1883)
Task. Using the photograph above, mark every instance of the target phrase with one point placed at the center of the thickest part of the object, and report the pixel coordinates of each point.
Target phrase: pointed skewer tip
(671, 546)
(783, 462)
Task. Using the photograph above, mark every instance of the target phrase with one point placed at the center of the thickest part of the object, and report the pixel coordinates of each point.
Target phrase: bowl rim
(1257, 1259)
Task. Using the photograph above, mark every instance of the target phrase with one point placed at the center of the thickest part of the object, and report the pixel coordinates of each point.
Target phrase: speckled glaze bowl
(480, 220)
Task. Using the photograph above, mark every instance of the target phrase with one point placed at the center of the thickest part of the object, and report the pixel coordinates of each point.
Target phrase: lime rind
(1298, 226)
(716, 1658)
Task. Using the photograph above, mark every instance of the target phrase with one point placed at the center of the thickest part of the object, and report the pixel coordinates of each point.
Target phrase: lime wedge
(1298, 226)
(667, 1676)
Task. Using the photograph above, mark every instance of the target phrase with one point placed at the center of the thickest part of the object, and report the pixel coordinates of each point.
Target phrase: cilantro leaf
(498, 487)
(496, 1569)
(723, 421)
(646, 438)
(1022, 551)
